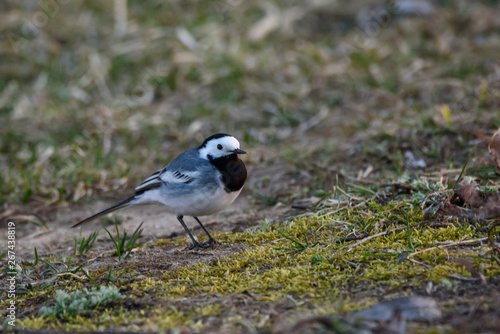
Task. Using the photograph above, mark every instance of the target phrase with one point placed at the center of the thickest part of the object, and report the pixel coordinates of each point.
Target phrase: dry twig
(350, 247)
(439, 192)
(71, 274)
(448, 245)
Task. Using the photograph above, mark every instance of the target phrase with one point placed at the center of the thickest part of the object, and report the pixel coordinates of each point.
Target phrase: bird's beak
(238, 151)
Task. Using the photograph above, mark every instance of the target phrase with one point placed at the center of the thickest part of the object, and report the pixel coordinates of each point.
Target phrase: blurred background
(391, 100)
(95, 95)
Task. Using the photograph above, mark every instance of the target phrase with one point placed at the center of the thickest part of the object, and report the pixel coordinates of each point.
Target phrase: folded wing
(166, 176)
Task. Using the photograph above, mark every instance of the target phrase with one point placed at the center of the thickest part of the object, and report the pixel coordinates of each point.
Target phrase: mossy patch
(302, 263)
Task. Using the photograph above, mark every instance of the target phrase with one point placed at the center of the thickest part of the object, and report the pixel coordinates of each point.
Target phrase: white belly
(196, 204)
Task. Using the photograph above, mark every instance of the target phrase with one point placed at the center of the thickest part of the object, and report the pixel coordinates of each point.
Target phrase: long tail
(115, 207)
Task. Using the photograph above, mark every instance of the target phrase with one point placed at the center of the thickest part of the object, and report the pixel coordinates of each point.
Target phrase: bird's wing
(165, 176)
(154, 181)
(184, 169)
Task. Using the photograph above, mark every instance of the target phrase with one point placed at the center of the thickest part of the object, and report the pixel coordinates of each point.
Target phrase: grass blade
(412, 248)
(463, 169)
(114, 242)
(299, 244)
(90, 279)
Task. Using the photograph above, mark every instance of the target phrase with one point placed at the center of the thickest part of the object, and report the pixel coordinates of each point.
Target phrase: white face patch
(219, 147)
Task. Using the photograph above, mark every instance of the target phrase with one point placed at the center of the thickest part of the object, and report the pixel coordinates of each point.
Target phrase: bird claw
(206, 244)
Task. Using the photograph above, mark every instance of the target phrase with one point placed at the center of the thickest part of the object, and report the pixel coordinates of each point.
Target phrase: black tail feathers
(106, 211)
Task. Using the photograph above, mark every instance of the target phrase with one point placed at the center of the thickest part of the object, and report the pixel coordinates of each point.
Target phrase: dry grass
(327, 97)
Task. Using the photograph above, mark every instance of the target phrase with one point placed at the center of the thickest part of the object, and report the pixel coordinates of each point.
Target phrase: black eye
(219, 147)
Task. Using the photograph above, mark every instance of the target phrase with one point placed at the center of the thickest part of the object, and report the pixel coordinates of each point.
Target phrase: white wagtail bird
(199, 182)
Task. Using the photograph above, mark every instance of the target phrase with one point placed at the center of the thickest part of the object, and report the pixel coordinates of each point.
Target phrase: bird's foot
(206, 244)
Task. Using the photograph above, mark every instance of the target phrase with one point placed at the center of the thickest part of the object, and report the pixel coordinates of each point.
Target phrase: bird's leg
(211, 240)
(195, 243)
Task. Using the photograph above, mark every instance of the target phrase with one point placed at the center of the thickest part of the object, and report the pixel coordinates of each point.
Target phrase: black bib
(233, 170)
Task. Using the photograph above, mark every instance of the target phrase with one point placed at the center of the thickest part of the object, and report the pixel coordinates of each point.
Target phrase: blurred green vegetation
(81, 101)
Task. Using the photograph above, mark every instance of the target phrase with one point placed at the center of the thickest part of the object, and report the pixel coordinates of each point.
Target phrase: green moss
(274, 268)
(36, 322)
(271, 271)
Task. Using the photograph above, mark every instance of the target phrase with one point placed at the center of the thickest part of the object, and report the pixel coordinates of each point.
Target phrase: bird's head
(218, 146)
